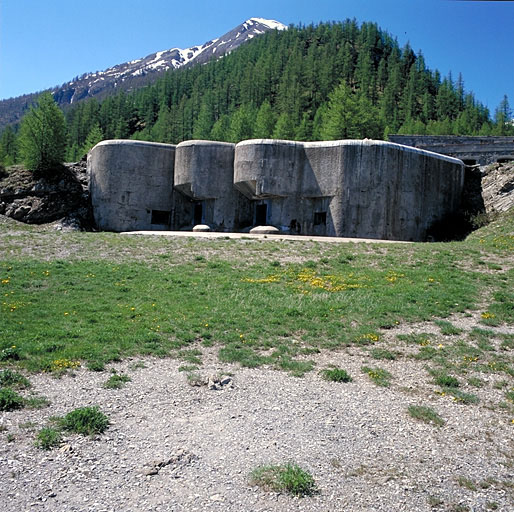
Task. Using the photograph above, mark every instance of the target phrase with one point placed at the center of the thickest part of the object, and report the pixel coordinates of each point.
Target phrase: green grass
(462, 396)
(289, 478)
(382, 353)
(84, 420)
(425, 414)
(10, 400)
(446, 381)
(48, 438)
(476, 382)
(467, 483)
(12, 379)
(447, 328)
(116, 381)
(379, 376)
(257, 302)
(36, 402)
(336, 375)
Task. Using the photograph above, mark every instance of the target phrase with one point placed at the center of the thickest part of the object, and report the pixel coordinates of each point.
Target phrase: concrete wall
(204, 173)
(352, 188)
(131, 185)
(480, 150)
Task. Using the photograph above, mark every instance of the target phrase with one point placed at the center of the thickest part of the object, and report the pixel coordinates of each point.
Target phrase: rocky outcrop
(62, 197)
(498, 187)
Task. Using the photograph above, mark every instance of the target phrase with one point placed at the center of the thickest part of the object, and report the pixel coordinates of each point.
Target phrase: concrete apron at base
(267, 238)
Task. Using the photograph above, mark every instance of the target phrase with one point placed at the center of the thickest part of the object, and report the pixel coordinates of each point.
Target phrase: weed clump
(288, 478)
(10, 378)
(85, 421)
(447, 381)
(461, 396)
(425, 414)
(336, 375)
(48, 438)
(379, 376)
(116, 381)
(10, 400)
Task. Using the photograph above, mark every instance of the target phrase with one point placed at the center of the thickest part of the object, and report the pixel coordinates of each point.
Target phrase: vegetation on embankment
(86, 298)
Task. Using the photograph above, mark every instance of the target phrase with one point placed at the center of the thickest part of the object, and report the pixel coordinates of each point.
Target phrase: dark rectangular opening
(198, 214)
(160, 217)
(469, 163)
(261, 212)
(320, 218)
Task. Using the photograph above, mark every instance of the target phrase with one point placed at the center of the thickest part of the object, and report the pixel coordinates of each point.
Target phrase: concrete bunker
(131, 185)
(351, 188)
(204, 174)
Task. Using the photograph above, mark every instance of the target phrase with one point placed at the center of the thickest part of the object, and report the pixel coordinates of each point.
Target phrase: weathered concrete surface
(264, 237)
(479, 150)
(204, 173)
(131, 184)
(349, 188)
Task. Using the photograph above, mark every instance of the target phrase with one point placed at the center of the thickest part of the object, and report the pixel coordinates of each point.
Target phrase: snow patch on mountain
(138, 72)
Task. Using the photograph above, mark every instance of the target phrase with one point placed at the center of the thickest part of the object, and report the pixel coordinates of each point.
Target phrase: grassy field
(70, 299)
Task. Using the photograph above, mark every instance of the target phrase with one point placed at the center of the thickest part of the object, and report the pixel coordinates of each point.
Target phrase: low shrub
(48, 438)
(85, 421)
(10, 378)
(10, 400)
(336, 375)
(288, 478)
(425, 414)
(116, 381)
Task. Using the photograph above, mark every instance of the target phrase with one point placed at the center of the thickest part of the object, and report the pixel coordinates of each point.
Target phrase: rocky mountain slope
(139, 72)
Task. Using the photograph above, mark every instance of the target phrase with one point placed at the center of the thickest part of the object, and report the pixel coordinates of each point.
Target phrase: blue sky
(46, 43)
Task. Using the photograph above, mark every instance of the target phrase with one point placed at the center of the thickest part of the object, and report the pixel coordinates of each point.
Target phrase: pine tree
(43, 136)
(503, 118)
(284, 129)
(8, 147)
(94, 137)
(161, 131)
(221, 129)
(265, 122)
(204, 122)
(304, 129)
(241, 124)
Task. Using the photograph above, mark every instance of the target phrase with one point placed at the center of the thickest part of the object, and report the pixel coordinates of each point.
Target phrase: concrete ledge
(248, 236)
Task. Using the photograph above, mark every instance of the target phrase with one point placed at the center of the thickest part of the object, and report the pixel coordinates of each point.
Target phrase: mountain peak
(139, 72)
(271, 24)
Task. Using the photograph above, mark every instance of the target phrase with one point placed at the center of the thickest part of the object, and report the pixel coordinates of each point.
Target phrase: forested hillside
(330, 81)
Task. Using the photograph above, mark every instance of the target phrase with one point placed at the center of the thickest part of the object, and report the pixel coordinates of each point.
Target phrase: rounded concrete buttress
(204, 169)
(204, 173)
(131, 185)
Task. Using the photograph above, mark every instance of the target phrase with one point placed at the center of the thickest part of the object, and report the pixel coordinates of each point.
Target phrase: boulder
(264, 230)
(201, 228)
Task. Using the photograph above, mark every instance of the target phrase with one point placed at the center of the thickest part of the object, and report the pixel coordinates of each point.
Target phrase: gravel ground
(175, 447)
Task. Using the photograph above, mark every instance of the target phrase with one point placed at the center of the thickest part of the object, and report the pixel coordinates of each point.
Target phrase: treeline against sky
(325, 82)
